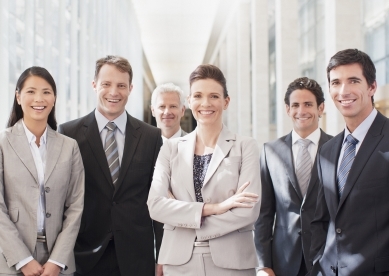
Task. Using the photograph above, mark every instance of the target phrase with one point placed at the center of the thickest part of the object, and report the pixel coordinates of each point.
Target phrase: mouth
(38, 108)
(206, 112)
(346, 102)
(303, 118)
(113, 100)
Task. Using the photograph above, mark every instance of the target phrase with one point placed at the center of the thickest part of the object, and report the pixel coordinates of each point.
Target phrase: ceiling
(175, 35)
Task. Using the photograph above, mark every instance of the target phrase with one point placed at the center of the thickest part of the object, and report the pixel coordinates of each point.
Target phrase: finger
(246, 194)
(243, 205)
(244, 186)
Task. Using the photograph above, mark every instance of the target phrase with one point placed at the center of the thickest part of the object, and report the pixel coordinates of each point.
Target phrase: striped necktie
(303, 165)
(111, 152)
(347, 161)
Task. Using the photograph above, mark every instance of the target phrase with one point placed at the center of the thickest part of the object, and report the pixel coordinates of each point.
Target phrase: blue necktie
(347, 161)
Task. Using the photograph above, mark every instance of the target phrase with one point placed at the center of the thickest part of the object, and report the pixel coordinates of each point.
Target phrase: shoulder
(143, 127)
(73, 124)
(275, 143)
(5, 133)
(66, 140)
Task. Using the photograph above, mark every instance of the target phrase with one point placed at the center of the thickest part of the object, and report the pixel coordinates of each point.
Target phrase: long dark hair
(16, 111)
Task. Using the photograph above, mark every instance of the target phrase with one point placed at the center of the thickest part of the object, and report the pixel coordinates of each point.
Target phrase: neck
(206, 138)
(353, 122)
(36, 127)
(169, 132)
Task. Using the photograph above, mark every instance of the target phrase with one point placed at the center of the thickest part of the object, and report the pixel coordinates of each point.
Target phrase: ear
(131, 86)
(183, 110)
(152, 110)
(373, 88)
(287, 108)
(94, 84)
(17, 95)
(321, 109)
(189, 102)
(226, 102)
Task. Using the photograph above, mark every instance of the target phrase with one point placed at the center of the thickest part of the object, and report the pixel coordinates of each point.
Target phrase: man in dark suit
(168, 107)
(350, 231)
(290, 185)
(119, 152)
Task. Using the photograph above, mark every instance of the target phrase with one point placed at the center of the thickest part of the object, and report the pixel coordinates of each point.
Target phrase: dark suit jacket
(282, 248)
(121, 212)
(352, 234)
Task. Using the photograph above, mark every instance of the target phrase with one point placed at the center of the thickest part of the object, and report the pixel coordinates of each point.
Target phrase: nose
(205, 101)
(166, 110)
(343, 90)
(38, 97)
(113, 91)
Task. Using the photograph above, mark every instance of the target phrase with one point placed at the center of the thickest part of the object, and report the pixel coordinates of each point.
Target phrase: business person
(168, 107)
(206, 189)
(290, 185)
(119, 153)
(350, 230)
(41, 184)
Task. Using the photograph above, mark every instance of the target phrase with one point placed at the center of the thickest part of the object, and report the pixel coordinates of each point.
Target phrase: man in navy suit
(350, 230)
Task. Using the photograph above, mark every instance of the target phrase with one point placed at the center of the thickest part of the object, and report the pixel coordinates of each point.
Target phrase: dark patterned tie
(303, 165)
(111, 152)
(347, 161)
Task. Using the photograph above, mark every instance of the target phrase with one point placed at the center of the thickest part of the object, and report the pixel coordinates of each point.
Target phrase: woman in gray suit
(206, 189)
(41, 184)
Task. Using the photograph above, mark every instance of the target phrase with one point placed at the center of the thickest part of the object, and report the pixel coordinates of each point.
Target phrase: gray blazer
(235, 161)
(283, 207)
(19, 195)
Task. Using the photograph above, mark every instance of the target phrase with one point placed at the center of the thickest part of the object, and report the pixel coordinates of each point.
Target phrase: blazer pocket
(168, 227)
(247, 228)
(381, 264)
(14, 214)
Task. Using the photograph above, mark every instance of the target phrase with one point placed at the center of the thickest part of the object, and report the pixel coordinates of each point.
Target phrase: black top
(200, 166)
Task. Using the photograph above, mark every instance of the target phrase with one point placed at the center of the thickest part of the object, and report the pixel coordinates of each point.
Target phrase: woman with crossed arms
(41, 184)
(206, 189)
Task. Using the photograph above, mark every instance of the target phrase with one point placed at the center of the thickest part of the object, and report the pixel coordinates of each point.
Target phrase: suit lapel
(223, 146)
(185, 149)
(286, 150)
(54, 147)
(133, 134)
(314, 177)
(21, 147)
(372, 139)
(93, 137)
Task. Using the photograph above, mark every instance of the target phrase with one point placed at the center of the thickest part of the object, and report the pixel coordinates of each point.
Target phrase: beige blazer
(19, 196)
(235, 160)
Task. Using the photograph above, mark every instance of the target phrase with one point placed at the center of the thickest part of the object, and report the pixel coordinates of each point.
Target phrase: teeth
(38, 107)
(113, 101)
(206, 112)
(347, 102)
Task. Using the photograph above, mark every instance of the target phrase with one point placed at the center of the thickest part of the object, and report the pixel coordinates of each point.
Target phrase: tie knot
(351, 139)
(304, 142)
(111, 126)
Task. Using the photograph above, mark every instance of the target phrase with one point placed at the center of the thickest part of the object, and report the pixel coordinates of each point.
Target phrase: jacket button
(208, 200)
(48, 215)
(302, 210)
(299, 232)
(338, 230)
(47, 190)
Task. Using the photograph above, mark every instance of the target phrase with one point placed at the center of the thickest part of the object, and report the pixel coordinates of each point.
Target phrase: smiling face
(168, 111)
(351, 93)
(207, 102)
(36, 99)
(304, 111)
(112, 88)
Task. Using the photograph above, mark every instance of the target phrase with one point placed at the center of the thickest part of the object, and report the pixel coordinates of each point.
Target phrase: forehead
(206, 86)
(302, 95)
(347, 71)
(109, 72)
(168, 97)
(36, 81)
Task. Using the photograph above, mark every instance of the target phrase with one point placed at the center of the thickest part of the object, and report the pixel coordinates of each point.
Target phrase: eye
(47, 92)
(30, 91)
(197, 96)
(162, 107)
(173, 106)
(122, 86)
(334, 83)
(308, 104)
(104, 84)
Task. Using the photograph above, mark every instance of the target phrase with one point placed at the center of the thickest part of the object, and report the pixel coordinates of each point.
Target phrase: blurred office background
(260, 45)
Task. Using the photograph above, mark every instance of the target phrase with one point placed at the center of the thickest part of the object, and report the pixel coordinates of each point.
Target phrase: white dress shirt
(312, 147)
(175, 135)
(120, 133)
(39, 155)
(359, 133)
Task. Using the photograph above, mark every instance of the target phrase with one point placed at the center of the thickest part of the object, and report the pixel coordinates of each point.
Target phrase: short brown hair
(308, 84)
(120, 63)
(209, 71)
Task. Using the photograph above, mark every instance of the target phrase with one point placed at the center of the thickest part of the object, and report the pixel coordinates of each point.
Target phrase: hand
(51, 269)
(240, 199)
(265, 272)
(32, 268)
(159, 270)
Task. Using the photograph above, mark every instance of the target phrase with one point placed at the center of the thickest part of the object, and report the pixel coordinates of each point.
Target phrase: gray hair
(167, 88)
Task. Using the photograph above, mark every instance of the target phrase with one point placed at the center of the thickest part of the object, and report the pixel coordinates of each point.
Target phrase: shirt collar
(120, 121)
(361, 131)
(175, 135)
(314, 136)
(32, 138)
